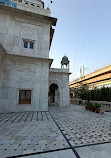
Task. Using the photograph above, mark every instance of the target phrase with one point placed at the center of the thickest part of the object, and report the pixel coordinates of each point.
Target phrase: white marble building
(27, 81)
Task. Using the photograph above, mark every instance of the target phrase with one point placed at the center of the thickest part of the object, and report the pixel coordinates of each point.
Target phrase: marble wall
(61, 78)
(14, 28)
(20, 70)
(22, 74)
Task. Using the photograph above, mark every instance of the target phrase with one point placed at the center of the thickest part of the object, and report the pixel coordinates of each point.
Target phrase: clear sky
(83, 33)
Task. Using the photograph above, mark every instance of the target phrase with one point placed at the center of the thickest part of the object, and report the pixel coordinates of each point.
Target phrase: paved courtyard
(82, 127)
(60, 133)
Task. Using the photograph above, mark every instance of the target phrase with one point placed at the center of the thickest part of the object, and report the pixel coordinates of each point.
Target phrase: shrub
(97, 94)
(102, 94)
(109, 97)
(92, 106)
(97, 105)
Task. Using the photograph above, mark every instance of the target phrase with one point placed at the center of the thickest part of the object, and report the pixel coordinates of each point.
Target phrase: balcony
(27, 5)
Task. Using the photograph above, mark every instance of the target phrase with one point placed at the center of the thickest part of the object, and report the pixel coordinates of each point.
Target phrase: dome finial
(65, 61)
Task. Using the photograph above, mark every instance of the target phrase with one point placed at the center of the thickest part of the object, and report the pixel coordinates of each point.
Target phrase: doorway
(53, 94)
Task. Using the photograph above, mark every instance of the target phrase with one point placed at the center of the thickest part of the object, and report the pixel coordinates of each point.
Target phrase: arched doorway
(53, 94)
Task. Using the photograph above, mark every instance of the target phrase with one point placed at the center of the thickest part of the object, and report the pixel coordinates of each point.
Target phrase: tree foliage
(102, 94)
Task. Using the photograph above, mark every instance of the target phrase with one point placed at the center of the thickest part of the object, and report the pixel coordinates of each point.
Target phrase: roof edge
(28, 13)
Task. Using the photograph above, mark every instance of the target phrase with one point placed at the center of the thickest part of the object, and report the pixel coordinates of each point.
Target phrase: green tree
(92, 94)
(109, 98)
(97, 94)
(106, 94)
(84, 94)
(102, 96)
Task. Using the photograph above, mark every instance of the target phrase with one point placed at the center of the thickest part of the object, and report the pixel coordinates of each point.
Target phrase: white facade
(27, 68)
(60, 77)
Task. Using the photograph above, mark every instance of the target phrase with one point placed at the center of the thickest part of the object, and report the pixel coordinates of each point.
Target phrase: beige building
(27, 81)
(96, 79)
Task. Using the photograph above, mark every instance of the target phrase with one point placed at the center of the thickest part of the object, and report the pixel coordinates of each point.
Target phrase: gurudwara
(27, 81)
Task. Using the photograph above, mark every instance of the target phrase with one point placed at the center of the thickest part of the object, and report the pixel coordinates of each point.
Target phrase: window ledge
(24, 105)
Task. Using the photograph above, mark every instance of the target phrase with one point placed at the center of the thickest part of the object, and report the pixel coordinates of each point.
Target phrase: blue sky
(83, 33)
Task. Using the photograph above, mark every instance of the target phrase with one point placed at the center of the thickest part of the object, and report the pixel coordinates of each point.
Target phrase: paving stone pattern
(83, 127)
(33, 132)
(31, 136)
(24, 117)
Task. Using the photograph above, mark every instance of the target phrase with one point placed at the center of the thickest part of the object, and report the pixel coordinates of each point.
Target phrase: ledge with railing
(105, 106)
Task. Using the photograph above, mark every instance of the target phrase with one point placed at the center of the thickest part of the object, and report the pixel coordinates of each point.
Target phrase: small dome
(47, 8)
(65, 60)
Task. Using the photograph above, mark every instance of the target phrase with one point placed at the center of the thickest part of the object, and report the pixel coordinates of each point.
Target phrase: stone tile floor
(69, 128)
(20, 136)
(83, 127)
(95, 151)
(57, 154)
(24, 117)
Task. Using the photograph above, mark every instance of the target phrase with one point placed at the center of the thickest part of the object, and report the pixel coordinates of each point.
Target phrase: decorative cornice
(29, 58)
(32, 15)
(4, 54)
(59, 71)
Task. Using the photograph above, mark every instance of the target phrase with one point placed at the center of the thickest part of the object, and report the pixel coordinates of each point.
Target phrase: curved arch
(54, 94)
(53, 82)
(52, 86)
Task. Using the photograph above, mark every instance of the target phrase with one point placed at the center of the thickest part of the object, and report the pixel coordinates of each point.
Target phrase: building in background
(96, 79)
(27, 81)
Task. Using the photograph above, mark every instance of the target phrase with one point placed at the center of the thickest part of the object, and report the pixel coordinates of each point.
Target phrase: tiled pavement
(19, 135)
(82, 127)
(37, 134)
(58, 154)
(24, 117)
